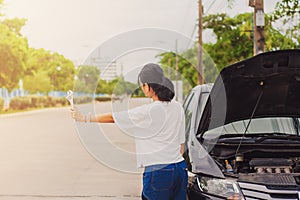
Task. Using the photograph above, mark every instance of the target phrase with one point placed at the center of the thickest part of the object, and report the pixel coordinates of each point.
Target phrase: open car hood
(265, 85)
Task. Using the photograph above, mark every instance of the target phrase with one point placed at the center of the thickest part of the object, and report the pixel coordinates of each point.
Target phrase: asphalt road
(42, 156)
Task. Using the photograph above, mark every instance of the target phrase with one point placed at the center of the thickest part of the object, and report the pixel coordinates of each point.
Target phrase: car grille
(273, 191)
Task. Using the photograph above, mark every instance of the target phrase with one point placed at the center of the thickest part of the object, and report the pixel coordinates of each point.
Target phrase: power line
(210, 6)
(192, 35)
(189, 6)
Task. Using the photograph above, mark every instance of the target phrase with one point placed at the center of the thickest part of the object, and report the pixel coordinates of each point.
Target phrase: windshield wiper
(277, 136)
(272, 134)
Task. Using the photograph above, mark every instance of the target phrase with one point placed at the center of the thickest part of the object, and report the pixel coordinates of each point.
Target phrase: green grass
(11, 111)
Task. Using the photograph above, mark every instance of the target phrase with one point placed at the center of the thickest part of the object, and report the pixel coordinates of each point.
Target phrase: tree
(187, 71)
(61, 72)
(117, 86)
(234, 42)
(104, 87)
(235, 38)
(53, 72)
(287, 12)
(87, 79)
(276, 39)
(232, 37)
(15, 25)
(13, 49)
(41, 70)
(39, 83)
(120, 86)
(36, 77)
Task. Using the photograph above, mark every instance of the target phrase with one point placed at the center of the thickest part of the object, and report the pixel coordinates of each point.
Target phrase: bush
(20, 103)
(61, 101)
(1, 104)
(103, 99)
(50, 102)
(39, 101)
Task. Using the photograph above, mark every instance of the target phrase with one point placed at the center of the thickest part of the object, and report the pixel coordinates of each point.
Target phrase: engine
(262, 165)
(271, 165)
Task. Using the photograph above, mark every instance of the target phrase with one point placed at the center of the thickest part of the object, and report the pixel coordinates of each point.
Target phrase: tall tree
(40, 70)
(234, 42)
(13, 49)
(235, 38)
(53, 72)
(36, 78)
(61, 72)
(15, 25)
(187, 70)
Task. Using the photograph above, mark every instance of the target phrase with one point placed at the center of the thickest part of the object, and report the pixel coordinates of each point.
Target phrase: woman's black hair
(153, 75)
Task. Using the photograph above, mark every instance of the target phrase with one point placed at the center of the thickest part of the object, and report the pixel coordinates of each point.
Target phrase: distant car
(242, 132)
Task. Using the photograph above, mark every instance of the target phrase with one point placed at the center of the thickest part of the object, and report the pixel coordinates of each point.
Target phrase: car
(243, 131)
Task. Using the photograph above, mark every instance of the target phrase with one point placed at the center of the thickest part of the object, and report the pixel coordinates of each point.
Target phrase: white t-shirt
(158, 128)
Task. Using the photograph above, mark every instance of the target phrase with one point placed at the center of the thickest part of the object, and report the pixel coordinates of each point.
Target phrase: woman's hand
(77, 115)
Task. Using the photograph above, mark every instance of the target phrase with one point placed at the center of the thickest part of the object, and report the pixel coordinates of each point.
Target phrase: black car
(243, 131)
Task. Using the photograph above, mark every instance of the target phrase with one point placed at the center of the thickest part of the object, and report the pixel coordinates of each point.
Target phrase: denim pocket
(162, 179)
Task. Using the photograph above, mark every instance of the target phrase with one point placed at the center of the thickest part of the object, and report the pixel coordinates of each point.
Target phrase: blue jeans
(165, 182)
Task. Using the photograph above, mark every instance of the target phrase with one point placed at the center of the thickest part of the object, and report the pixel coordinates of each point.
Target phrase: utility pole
(259, 24)
(200, 70)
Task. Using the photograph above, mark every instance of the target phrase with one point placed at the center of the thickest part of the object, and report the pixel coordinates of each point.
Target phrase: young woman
(159, 129)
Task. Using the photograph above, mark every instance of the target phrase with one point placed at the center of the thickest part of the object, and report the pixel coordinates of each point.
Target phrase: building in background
(107, 67)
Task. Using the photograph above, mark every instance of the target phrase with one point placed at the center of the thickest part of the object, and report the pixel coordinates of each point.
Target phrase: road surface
(43, 157)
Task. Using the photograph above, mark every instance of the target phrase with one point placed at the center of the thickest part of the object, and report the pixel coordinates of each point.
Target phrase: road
(43, 157)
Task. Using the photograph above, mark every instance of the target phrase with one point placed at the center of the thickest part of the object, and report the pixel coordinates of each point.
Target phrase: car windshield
(280, 125)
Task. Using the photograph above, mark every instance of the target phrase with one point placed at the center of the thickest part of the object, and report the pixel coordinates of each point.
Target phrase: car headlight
(227, 188)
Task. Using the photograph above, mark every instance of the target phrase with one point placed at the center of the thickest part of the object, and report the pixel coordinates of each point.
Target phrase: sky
(75, 28)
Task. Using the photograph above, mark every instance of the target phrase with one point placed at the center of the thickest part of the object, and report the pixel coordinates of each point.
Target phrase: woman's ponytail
(166, 90)
(153, 75)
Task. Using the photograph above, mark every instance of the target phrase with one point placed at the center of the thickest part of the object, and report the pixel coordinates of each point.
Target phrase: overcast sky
(75, 28)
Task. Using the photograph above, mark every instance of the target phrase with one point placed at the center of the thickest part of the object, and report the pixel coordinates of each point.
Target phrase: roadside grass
(13, 111)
